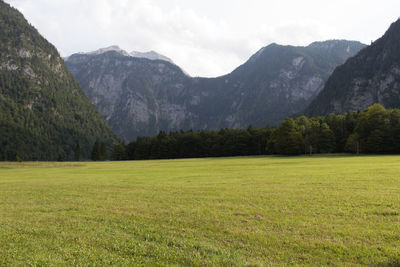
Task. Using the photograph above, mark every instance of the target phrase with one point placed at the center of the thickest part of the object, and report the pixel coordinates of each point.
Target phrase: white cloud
(206, 38)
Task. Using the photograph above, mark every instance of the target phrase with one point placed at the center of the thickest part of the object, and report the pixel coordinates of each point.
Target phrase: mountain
(372, 76)
(137, 96)
(107, 49)
(140, 97)
(152, 55)
(44, 113)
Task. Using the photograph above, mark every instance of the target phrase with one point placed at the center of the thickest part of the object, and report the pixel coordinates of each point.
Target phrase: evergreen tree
(77, 152)
(103, 151)
(375, 142)
(118, 152)
(326, 142)
(289, 140)
(95, 155)
(353, 143)
(375, 120)
(314, 135)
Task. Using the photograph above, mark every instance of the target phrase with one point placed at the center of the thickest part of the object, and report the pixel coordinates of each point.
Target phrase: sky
(206, 38)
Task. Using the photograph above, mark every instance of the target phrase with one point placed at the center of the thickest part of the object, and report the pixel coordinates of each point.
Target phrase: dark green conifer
(95, 155)
(103, 151)
(77, 152)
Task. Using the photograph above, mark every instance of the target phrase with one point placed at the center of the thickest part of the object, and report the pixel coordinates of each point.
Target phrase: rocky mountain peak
(152, 55)
(333, 46)
(328, 43)
(115, 48)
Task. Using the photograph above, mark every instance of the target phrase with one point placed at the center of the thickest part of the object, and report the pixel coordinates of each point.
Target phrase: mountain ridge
(151, 55)
(371, 76)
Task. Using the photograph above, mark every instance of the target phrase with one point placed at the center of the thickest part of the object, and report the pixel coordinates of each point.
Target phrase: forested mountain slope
(44, 113)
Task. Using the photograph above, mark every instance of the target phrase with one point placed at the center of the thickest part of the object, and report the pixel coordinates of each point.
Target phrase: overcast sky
(204, 37)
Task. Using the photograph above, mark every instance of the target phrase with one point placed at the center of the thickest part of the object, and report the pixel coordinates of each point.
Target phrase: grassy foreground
(336, 210)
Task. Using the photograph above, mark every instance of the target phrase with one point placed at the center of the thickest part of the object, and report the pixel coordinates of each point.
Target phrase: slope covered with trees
(44, 114)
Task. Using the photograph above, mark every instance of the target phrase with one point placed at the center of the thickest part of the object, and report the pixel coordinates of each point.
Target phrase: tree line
(375, 130)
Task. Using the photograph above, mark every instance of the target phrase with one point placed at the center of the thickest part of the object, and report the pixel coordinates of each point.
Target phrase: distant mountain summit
(152, 55)
(44, 113)
(371, 76)
(339, 49)
(140, 97)
(107, 49)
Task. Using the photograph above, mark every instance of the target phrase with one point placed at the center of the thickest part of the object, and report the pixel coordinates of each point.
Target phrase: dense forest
(375, 130)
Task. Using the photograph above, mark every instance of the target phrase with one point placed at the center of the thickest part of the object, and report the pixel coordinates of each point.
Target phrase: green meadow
(245, 211)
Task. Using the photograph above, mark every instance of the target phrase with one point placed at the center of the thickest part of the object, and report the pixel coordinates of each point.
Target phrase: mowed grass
(325, 210)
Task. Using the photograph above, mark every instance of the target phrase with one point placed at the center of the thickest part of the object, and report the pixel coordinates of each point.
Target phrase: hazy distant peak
(332, 43)
(325, 43)
(115, 48)
(341, 48)
(152, 55)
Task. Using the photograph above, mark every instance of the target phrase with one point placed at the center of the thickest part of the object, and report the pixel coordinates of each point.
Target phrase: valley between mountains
(53, 108)
(143, 94)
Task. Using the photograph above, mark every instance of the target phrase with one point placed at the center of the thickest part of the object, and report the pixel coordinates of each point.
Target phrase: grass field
(336, 210)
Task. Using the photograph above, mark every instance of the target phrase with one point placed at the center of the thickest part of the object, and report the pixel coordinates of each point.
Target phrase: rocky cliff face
(139, 97)
(136, 96)
(372, 76)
